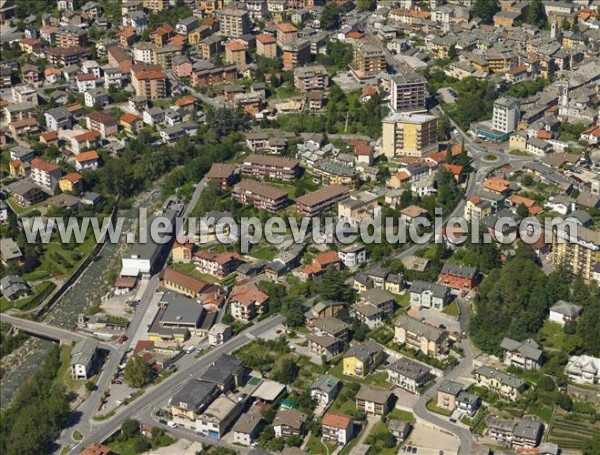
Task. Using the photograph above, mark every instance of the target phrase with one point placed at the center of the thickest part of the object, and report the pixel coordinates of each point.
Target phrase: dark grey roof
(502, 378)
(460, 270)
(181, 309)
(528, 428)
(528, 348)
(364, 351)
(194, 394)
(451, 387)
(376, 297)
(248, 423)
(330, 324)
(416, 326)
(467, 398)
(436, 290)
(373, 394)
(326, 383)
(566, 308)
(83, 352)
(222, 369)
(291, 418)
(378, 270)
(409, 368)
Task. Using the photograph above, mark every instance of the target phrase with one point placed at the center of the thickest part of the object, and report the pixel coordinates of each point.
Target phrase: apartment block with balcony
(262, 166)
(296, 54)
(374, 401)
(368, 60)
(309, 78)
(320, 201)
(408, 91)
(71, 36)
(418, 335)
(149, 81)
(578, 248)
(234, 22)
(45, 173)
(409, 135)
(260, 195)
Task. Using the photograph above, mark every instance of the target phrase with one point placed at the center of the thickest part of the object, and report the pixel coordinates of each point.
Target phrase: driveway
(430, 441)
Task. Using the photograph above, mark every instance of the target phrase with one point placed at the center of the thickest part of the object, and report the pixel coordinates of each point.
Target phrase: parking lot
(430, 441)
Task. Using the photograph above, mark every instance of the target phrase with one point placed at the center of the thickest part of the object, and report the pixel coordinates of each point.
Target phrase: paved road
(160, 393)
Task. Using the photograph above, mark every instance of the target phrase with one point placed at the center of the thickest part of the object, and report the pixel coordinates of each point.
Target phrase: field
(570, 431)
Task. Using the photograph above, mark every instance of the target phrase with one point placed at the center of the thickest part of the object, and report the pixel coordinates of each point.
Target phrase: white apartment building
(507, 113)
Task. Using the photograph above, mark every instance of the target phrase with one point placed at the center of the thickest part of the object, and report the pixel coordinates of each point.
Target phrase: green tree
(588, 329)
(130, 428)
(485, 9)
(366, 5)
(522, 211)
(137, 372)
(443, 127)
(536, 14)
(330, 17)
(287, 372)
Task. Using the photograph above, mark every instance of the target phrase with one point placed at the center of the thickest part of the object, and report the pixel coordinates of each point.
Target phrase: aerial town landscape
(474, 123)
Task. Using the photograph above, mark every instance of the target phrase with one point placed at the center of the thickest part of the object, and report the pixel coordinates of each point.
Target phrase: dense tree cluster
(330, 17)
(137, 372)
(39, 411)
(485, 9)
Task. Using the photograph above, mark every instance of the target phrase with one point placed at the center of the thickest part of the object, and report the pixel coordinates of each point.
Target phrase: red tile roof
(90, 155)
(334, 420)
(43, 165)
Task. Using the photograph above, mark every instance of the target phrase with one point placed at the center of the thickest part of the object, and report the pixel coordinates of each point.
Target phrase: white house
(562, 312)
(583, 369)
(219, 334)
(353, 255)
(83, 357)
(429, 295)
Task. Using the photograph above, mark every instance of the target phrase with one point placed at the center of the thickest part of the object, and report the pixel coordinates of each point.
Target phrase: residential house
(400, 429)
(503, 384)
(583, 369)
(86, 140)
(87, 160)
(247, 428)
(374, 307)
(223, 174)
(289, 422)
(106, 124)
(13, 287)
(337, 428)
(83, 359)
(429, 295)
(458, 276)
(326, 309)
(429, 340)
(71, 183)
(58, 118)
(246, 303)
(325, 389)
(45, 173)
(182, 252)
(408, 374)
(563, 312)
(374, 400)
(362, 359)
(97, 97)
(25, 192)
(266, 46)
(526, 354)
(447, 395)
(131, 123)
(353, 255)
(216, 264)
(226, 372)
(219, 334)
(359, 207)
(218, 417)
(522, 433)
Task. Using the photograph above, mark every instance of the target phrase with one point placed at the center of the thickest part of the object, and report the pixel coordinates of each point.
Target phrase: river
(23, 362)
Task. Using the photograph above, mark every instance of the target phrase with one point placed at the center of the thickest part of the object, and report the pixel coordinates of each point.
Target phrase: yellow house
(362, 359)
(181, 253)
(477, 208)
(71, 183)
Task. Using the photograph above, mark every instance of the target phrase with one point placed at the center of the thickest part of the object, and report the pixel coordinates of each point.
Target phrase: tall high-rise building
(234, 22)
(409, 135)
(408, 91)
(507, 113)
(579, 251)
(368, 61)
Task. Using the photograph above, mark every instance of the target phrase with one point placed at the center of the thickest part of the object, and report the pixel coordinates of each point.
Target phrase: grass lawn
(554, 338)
(317, 447)
(378, 379)
(58, 261)
(402, 300)
(64, 372)
(190, 269)
(264, 252)
(381, 427)
(402, 415)
(451, 309)
(432, 406)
